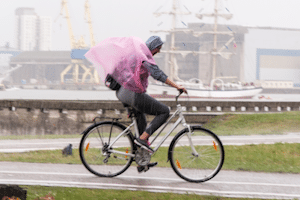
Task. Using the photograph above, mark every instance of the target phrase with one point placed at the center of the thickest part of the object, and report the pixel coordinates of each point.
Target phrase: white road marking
(148, 178)
(139, 187)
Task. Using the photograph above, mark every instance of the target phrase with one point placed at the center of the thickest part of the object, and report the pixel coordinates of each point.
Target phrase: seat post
(137, 134)
(131, 113)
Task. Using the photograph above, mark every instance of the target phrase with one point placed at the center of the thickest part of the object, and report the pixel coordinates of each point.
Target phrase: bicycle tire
(94, 157)
(195, 168)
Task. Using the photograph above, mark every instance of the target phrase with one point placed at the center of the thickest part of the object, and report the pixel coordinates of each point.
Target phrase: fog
(135, 18)
(270, 25)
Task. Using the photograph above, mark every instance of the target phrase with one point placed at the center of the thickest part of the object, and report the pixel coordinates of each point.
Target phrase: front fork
(195, 153)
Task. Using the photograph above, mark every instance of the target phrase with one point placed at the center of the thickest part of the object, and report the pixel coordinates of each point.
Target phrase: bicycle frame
(181, 120)
(114, 147)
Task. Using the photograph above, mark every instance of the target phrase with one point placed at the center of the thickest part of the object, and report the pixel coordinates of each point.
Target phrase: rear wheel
(200, 161)
(97, 157)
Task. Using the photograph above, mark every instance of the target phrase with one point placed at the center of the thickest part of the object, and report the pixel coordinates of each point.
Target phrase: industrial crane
(77, 51)
(87, 16)
(74, 44)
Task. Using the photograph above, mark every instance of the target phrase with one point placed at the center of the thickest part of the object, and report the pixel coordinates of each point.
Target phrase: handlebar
(180, 92)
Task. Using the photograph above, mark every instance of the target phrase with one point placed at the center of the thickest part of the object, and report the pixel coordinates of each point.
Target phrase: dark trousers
(145, 104)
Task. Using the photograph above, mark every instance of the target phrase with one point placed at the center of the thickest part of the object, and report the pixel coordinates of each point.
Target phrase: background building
(272, 54)
(40, 67)
(260, 54)
(33, 32)
(44, 33)
(200, 65)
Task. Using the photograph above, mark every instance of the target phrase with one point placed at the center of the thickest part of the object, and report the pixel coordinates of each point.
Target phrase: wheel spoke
(98, 159)
(203, 166)
(99, 138)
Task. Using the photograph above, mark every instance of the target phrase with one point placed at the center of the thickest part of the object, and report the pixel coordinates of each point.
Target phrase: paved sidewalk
(226, 183)
(53, 144)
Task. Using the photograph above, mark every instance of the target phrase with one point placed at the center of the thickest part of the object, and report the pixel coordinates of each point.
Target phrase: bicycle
(107, 148)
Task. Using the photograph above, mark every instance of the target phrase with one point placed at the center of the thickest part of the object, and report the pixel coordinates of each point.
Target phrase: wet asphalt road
(226, 183)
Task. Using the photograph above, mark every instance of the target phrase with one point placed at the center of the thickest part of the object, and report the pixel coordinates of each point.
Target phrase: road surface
(226, 183)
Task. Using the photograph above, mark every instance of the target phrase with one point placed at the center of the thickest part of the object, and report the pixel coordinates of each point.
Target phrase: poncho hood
(122, 57)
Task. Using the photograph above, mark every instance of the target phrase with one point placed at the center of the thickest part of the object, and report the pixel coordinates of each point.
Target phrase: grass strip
(279, 157)
(255, 124)
(38, 192)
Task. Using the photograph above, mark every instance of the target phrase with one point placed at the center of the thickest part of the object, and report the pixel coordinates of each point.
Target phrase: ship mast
(215, 32)
(172, 68)
(215, 41)
(172, 62)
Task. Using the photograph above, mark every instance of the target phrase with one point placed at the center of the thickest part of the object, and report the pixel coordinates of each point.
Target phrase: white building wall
(33, 32)
(28, 32)
(279, 67)
(259, 38)
(25, 34)
(45, 30)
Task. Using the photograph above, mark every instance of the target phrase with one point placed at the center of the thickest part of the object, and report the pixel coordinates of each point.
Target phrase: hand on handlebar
(182, 89)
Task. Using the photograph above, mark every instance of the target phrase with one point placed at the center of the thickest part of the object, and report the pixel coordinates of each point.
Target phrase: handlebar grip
(180, 92)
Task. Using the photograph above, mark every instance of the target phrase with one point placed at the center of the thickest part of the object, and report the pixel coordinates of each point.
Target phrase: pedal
(146, 168)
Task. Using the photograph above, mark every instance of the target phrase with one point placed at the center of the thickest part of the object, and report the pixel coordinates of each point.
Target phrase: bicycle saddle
(131, 112)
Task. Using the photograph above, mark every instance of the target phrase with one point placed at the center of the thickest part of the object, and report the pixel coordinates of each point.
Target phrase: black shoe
(143, 143)
(146, 168)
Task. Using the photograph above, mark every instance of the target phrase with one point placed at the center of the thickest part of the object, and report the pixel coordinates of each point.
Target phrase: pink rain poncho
(122, 58)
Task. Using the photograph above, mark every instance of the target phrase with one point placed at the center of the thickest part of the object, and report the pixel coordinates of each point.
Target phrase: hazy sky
(135, 17)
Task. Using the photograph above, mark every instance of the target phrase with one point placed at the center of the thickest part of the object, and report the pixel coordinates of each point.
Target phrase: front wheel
(197, 156)
(96, 155)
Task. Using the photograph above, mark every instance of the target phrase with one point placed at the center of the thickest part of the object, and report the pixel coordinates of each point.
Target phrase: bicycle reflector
(126, 152)
(215, 146)
(178, 164)
(87, 147)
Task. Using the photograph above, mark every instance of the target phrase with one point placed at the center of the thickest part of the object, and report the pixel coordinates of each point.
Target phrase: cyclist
(129, 62)
(145, 104)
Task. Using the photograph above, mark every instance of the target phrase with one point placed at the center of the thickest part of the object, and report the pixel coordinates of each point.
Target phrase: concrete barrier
(40, 117)
(193, 106)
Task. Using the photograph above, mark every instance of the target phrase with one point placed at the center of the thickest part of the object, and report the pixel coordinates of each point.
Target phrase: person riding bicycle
(132, 73)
